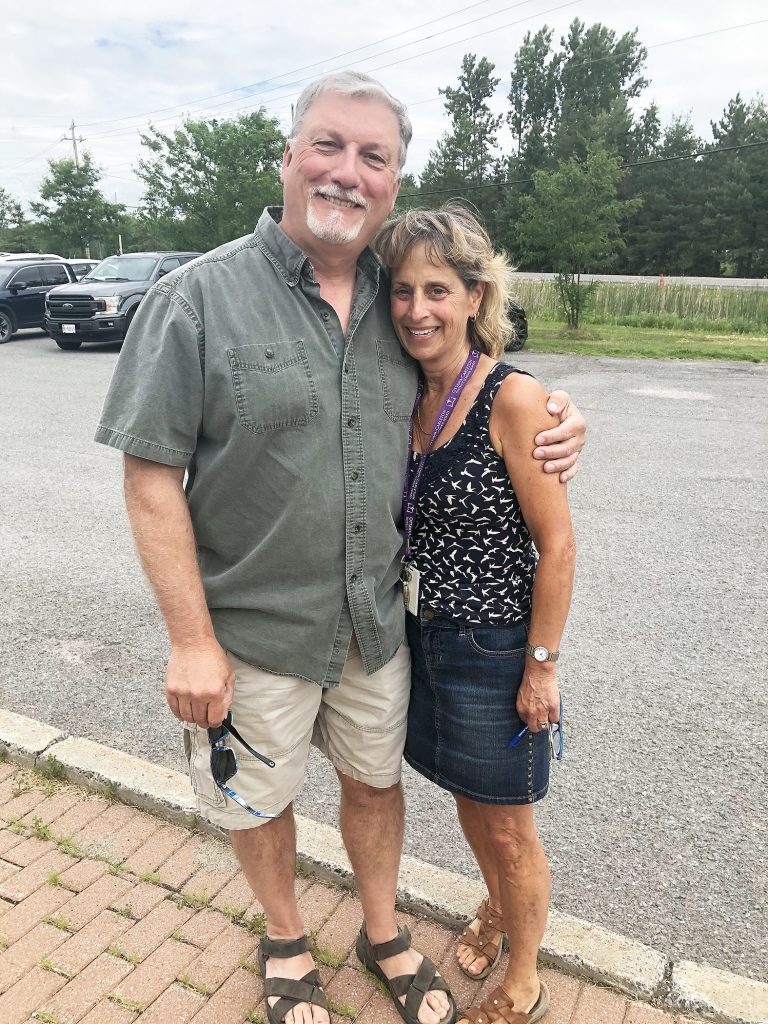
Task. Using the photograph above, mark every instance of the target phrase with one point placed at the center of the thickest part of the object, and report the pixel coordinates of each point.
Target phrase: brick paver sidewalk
(109, 915)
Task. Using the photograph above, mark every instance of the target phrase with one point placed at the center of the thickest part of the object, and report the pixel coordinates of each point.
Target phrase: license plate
(68, 328)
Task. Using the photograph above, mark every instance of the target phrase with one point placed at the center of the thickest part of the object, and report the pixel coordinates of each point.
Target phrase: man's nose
(346, 172)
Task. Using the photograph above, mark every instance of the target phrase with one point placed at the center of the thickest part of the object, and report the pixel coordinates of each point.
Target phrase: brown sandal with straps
(308, 989)
(413, 986)
(482, 944)
(498, 1008)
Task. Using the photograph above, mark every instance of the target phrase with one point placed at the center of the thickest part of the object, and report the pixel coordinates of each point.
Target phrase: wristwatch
(541, 653)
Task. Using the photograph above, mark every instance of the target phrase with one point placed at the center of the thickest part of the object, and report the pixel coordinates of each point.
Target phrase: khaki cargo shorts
(359, 726)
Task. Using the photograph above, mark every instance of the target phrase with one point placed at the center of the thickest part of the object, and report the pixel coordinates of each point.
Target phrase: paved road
(656, 824)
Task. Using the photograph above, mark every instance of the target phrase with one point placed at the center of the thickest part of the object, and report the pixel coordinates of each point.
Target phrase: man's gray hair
(360, 86)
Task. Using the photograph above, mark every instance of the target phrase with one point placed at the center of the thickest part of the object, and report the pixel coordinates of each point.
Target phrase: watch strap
(551, 655)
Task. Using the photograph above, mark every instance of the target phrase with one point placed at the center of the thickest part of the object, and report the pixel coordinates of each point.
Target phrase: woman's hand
(538, 699)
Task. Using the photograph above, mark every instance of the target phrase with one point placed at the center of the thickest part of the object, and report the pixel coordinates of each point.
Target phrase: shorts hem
(236, 818)
(374, 781)
(478, 798)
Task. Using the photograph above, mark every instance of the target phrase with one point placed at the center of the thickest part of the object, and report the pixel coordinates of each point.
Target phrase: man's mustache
(349, 195)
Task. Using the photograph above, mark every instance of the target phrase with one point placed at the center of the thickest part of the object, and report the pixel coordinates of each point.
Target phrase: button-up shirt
(294, 436)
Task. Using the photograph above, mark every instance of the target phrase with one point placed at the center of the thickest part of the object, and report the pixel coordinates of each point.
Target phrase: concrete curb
(571, 945)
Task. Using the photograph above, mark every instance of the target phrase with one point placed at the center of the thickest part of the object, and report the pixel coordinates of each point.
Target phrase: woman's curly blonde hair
(454, 237)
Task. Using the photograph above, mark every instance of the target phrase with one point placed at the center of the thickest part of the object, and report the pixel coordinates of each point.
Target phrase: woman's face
(431, 307)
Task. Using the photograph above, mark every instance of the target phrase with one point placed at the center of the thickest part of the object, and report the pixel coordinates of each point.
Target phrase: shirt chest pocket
(398, 380)
(273, 385)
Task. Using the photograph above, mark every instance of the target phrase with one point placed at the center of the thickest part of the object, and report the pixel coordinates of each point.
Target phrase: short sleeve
(154, 406)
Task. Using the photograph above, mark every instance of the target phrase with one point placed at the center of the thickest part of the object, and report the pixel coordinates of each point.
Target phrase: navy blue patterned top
(470, 542)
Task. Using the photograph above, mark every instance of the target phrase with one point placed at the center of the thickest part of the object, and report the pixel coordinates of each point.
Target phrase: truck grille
(73, 307)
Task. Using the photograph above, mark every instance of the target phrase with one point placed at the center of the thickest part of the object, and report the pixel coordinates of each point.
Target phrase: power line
(274, 99)
(625, 166)
(307, 67)
(573, 64)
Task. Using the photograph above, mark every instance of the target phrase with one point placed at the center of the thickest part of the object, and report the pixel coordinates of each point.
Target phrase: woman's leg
(474, 828)
(524, 890)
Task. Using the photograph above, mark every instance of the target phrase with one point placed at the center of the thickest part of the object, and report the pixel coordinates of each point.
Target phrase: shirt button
(353, 579)
(326, 315)
(352, 421)
(354, 475)
(358, 527)
(270, 353)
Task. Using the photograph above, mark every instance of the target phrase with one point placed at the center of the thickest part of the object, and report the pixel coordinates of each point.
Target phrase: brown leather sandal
(498, 1007)
(413, 986)
(292, 992)
(482, 944)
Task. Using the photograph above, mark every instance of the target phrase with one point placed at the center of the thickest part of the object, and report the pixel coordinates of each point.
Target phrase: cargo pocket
(398, 380)
(273, 385)
(198, 751)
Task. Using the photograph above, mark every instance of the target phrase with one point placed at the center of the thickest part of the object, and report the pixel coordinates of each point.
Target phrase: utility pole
(74, 144)
(77, 167)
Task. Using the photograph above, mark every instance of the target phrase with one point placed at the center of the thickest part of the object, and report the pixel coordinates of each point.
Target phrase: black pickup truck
(100, 307)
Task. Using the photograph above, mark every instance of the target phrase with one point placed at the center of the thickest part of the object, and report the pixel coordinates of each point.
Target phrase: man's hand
(561, 445)
(199, 683)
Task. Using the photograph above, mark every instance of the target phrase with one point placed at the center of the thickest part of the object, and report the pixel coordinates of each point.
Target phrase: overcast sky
(114, 67)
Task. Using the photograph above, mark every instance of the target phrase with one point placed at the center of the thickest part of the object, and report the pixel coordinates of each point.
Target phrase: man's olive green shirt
(294, 437)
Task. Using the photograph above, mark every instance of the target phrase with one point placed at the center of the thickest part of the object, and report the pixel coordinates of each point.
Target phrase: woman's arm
(519, 412)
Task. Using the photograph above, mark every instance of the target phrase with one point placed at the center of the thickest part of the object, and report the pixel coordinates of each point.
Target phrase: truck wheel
(68, 346)
(6, 327)
(515, 344)
(128, 322)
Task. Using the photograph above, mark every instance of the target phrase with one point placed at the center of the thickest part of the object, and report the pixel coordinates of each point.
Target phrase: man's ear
(395, 190)
(287, 157)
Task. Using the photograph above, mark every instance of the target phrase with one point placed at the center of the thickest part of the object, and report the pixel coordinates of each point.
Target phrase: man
(269, 373)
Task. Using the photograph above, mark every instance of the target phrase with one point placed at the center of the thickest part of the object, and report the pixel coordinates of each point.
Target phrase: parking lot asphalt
(656, 820)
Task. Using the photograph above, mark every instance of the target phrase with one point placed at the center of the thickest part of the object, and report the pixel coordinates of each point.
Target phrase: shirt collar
(288, 258)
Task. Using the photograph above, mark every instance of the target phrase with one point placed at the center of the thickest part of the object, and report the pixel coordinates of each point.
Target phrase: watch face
(540, 653)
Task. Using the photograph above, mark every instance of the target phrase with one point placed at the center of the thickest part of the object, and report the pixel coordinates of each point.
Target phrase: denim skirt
(461, 716)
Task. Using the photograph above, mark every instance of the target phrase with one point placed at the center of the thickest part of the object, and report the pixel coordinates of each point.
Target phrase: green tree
(598, 75)
(572, 224)
(566, 100)
(72, 213)
(737, 192)
(666, 234)
(534, 99)
(209, 181)
(17, 232)
(408, 195)
(467, 154)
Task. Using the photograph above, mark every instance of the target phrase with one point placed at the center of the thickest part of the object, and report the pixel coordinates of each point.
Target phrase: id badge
(411, 578)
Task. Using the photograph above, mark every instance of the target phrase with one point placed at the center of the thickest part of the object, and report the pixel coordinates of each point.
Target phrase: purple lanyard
(413, 478)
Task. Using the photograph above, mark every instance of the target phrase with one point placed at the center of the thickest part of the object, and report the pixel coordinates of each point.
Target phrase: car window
(169, 264)
(124, 268)
(54, 274)
(32, 277)
(185, 259)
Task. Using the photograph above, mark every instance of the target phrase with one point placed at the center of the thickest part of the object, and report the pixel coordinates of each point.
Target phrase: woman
(477, 509)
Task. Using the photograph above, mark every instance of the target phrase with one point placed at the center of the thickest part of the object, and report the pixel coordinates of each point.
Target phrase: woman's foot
(499, 1006)
(479, 947)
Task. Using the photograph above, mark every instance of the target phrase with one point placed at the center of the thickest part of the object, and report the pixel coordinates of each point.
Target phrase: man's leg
(361, 729)
(267, 856)
(276, 715)
(372, 827)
